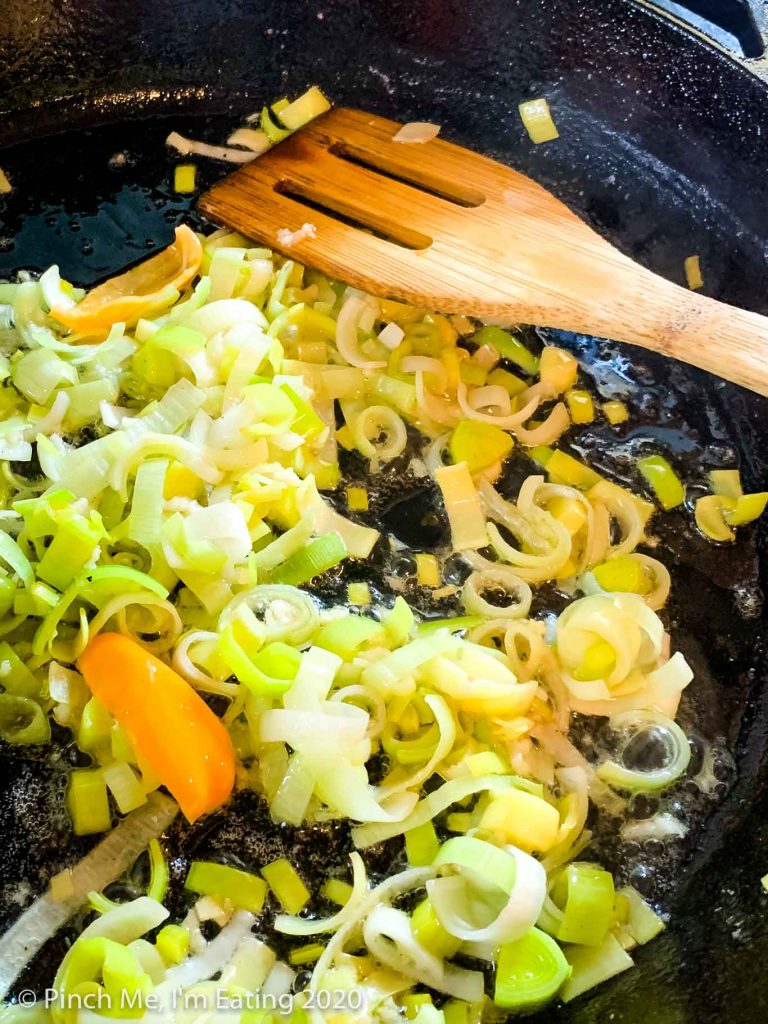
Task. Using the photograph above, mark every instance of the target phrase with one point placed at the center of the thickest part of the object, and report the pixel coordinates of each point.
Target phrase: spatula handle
(729, 342)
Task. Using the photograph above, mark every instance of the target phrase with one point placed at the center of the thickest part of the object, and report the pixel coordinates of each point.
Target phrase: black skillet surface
(663, 148)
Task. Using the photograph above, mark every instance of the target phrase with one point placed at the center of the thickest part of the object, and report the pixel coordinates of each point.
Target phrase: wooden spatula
(441, 227)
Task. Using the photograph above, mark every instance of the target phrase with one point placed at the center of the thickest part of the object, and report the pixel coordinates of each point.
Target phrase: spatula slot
(422, 178)
(354, 214)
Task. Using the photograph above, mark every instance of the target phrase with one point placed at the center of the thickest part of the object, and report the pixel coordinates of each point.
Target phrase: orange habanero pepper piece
(170, 726)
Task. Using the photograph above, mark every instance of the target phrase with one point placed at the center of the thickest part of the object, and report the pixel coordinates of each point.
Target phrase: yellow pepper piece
(568, 511)
(357, 499)
(748, 507)
(184, 178)
(726, 482)
(138, 292)
(536, 117)
(564, 469)
(709, 513)
(522, 819)
(430, 934)
(427, 571)
(624, 575)
(615, 412)
(693, 273)
(512, 385)
(599, 661)
(181, 482)
(558, 368)
(580, 406)
(667, 485)
(479, 445)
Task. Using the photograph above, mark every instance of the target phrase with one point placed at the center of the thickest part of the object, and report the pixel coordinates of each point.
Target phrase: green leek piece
(271, 128)
(529, 972)
(308, 106)
(38, 373)
(746, 509)
(95, 733)
(88, 802)
(479, 444)
(241, 888)
(73, 546)
(7, 594)
(146, 518)
(709, 513)
(106, 581)
(678, 754)
(278, 662)
(642, 921)
(11, 553)
(285, 883)
(346, 636)
(564, 469)
(666, 484)
(173, 943)
(177, 338)
(541, 454)
(156, 366)
(586, 895)
(38, 600)
(125, 983)
(472, 374)
(413, 1002)
(726, 482)
(15, 677)
(22, 721)
(159, 875)
(398, 393)
(123, 783)
(336, 891)
(430, 626)
(591, 966)
(84, 402)
(509, 347)
(422, 844)
(455, 1011)
(306, 422)
(398, 622)
(266, 673)
(308, 954)
(622, 575)
(321, 554)
(430, 934)
(512, 385)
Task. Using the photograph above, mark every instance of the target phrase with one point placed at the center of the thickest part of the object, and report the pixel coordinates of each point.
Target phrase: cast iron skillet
(664, 145)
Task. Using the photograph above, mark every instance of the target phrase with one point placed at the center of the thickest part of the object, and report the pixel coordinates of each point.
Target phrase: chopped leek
(218, 880)
(320, 555)
(509, 347)
(468, 526)
(537, 118)
(286, 884)
(666, 484)
(585, 894)
(590, 966)
(421, 845)
(529, 972)
(479, 445)
(88, 803)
